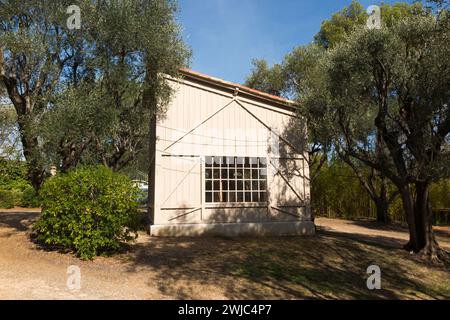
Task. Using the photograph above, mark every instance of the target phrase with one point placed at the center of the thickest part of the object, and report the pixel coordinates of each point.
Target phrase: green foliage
(9, 198)
(14, 188)
(9, 135)
(30, 198)
(387, 96)
(396, 80)
(335, 81)
(344, 22)
(84, 102)
(337, 28)
(440, 198)
(337, 193)
(102, 118)
(12, 174)
(440, 194)
(90, 210)
(271, 80)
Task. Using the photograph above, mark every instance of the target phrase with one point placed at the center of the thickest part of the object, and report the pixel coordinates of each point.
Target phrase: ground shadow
(329, 265)
(326, 266)
(443, 232)
(17, 221)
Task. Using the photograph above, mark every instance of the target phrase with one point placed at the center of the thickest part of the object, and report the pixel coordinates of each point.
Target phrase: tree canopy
(379, 99)
(78, 94)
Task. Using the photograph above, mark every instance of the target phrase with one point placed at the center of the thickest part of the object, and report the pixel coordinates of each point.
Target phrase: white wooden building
(229, 160)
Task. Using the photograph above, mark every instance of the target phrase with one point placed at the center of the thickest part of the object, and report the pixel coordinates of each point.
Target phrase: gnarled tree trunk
(30, 146)
(423, 213)
(408, 207)
(382, 203)
(419, 215)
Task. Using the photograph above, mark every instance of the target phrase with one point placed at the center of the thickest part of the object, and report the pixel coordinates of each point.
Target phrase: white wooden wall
(203, 121)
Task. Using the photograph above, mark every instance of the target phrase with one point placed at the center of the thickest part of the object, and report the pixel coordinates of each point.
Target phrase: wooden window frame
(231, 181)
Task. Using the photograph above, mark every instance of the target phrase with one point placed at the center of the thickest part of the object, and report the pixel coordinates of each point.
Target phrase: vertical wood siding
(201, 121)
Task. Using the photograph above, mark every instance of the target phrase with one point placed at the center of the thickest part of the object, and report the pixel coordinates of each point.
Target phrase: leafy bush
(8, 199)
(14, 187)
(12, 174)
(30, 198)
(90, 210)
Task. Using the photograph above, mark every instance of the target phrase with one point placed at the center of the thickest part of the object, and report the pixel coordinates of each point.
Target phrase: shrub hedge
(90, 210)
(15, 190)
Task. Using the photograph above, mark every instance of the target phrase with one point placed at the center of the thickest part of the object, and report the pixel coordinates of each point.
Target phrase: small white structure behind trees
(228, 160)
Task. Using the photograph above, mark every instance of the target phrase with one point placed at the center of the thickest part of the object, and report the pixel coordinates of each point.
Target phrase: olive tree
(79, 94)
(394, 83)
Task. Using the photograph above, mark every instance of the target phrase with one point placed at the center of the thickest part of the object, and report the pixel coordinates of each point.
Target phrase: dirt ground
(330, 265)
(384, 233)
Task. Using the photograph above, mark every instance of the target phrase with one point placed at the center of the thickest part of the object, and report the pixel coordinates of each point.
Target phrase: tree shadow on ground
(374, 225)
(17, 221)
(329, 265)
(396, 227)
(443, 233)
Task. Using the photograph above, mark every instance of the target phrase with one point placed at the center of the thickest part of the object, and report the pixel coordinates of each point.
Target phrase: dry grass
(330, 265)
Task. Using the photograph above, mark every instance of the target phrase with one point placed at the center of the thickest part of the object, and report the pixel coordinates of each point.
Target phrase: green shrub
(13, 175)
(90, 210)
(30, 198)
(16, 190)
(8, 199)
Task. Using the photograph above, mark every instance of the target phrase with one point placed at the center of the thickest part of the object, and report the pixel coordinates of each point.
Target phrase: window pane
(208, 173)
(232, 197)
(217, 161)
(225, 185)
(230, 161)
(216, 173)
(255, 185)
(247, 174)
(255, 197)
(262, 162)
(240, 197)
(254, 174)
(232, 173)
(262, 196)
(224, 174)
(208, 197)
(254, 162)
(208, 162)
(232, 185)
(224, 196)
(248, 185)
(262, 173)
(247, 162)
(208, 185)
(216, 185)
(248, 197)
(239, 161)
(239, 174)
(216, 196)
(262, 185)
(240, 185)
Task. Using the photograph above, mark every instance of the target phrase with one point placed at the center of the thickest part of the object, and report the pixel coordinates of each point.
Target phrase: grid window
(235, 179)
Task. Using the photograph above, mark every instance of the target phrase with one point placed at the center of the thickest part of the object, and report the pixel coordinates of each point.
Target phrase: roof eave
(234, 86)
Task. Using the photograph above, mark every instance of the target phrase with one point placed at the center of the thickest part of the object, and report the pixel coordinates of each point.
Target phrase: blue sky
(225, 35)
